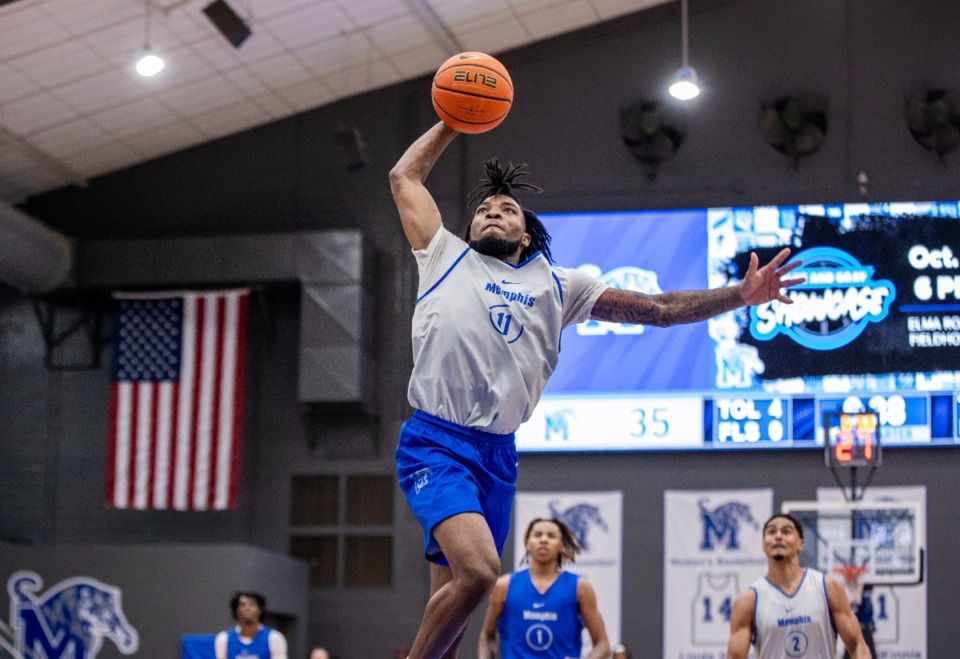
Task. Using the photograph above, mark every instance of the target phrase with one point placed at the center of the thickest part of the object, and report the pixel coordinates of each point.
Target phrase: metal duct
(33, 257)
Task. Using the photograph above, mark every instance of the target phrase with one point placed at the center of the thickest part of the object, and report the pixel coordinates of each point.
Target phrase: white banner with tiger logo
(596, 519)
(712, 551)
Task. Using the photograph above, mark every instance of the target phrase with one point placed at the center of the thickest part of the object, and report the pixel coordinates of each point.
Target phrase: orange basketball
(472, 92)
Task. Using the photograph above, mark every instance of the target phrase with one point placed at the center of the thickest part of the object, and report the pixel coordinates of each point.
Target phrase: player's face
(248, 610)
(501, 217)
(781, 540)
(545, 542)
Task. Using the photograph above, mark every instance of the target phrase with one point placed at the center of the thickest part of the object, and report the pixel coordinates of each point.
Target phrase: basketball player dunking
(486, 336)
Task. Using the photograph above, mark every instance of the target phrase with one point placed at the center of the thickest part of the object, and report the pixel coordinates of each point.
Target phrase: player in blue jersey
(249, 639)
(793, 611)
(486, 336)
(540, 612)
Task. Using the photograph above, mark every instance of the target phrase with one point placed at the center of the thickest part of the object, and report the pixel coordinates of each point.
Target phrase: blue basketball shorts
(445, 469)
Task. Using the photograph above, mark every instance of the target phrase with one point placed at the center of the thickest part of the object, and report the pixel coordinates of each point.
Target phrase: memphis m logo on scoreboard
(70, 620)
(832, 307)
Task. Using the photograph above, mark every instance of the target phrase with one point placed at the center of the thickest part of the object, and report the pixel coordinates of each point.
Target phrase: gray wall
(862, 55)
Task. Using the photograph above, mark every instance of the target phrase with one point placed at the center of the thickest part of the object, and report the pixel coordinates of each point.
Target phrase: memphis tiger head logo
(722, 524)
(70, 620)
(581, 519)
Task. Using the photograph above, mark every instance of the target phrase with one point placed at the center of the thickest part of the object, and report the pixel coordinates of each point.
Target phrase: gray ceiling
(72, 106)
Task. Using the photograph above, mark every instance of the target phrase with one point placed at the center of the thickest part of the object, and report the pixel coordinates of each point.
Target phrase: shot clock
(852, 439)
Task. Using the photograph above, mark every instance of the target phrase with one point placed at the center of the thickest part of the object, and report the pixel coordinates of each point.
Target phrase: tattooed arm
(759, 285)
(621, 306)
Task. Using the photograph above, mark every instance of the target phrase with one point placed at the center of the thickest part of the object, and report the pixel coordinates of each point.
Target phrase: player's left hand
(761, 285)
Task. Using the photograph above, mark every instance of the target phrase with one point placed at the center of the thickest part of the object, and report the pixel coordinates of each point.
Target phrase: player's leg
(453, 651)
(439, 576)
(468, 546)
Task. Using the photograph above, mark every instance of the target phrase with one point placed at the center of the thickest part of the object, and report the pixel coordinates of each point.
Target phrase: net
(853, 579)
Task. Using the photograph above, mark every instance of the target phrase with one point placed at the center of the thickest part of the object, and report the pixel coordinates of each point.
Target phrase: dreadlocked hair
(571, 546)
(501, 180)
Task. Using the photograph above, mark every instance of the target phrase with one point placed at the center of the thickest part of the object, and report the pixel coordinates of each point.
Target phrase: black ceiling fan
(651, 133)
(795, 125)
(933, 117)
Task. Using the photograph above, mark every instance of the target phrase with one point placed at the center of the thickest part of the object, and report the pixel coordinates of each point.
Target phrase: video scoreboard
(709, 422)
(875, 328)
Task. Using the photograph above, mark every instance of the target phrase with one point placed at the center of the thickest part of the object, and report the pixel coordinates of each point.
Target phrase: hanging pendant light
(685, 84)
(149, 64)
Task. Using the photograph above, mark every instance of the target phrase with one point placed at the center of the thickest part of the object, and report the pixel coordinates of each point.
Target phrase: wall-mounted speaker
(228, 22)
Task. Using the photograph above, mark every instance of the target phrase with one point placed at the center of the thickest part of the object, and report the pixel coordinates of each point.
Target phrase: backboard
(880, 536)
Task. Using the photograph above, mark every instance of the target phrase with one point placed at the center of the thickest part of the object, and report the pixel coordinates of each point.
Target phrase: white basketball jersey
(711, 607)
(486, 333)
(797, 625)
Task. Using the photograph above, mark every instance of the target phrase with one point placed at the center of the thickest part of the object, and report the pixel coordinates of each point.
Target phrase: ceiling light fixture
(149, 63)
(685, 85)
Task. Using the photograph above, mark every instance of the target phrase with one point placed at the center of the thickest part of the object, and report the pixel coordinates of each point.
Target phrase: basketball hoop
(853, 581)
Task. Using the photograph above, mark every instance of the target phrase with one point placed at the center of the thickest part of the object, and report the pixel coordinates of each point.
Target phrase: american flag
(176, 398)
